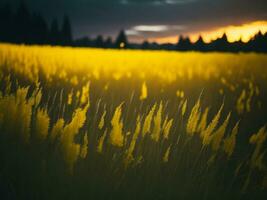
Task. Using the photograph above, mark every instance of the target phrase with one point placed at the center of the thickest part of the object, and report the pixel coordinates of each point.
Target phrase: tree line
(24, 27)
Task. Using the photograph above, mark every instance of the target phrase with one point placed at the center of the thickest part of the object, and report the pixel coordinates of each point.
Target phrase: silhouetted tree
(220, 44)
(121, 41)
(265, 42)
(108, 43)
(6, 24)
(99, 41)
(24, 27)
(168, 46)
(199, 45)
(22, 24)
(54, 36)
(145, 45)
(155, 45)
(83, 42)
(39, 33)
(237, 46)
(258, 42)
(184, 44)
(66, 32)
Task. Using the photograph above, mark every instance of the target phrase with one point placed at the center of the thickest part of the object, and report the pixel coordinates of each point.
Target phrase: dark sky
(149, 18)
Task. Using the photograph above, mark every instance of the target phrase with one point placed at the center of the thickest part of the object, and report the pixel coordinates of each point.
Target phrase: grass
(108, 124)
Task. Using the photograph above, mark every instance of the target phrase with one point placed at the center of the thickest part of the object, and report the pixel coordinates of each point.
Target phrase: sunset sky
(158, 20)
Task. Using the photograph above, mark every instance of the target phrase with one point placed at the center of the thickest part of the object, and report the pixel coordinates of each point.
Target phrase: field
(122, 124)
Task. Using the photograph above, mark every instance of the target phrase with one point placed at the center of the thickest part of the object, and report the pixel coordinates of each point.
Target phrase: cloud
(157, 2)
(179, 1)
(156, 29)
(149, 28)
(132, 32)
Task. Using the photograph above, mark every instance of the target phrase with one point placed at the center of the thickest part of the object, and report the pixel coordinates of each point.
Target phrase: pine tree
(121, 41)
(66, 32)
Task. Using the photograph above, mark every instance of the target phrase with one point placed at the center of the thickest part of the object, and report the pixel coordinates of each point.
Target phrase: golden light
(234, 33)
(122, 45)
(164, 40)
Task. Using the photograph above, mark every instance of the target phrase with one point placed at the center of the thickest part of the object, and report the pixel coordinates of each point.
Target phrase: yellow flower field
(127, 124)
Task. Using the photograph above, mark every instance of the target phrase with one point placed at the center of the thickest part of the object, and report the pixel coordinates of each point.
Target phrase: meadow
(125, 124)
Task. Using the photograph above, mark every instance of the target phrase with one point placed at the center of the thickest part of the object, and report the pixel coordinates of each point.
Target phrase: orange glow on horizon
(244, 32)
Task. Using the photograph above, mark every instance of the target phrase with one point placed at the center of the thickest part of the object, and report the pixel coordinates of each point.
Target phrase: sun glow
(234, 33)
